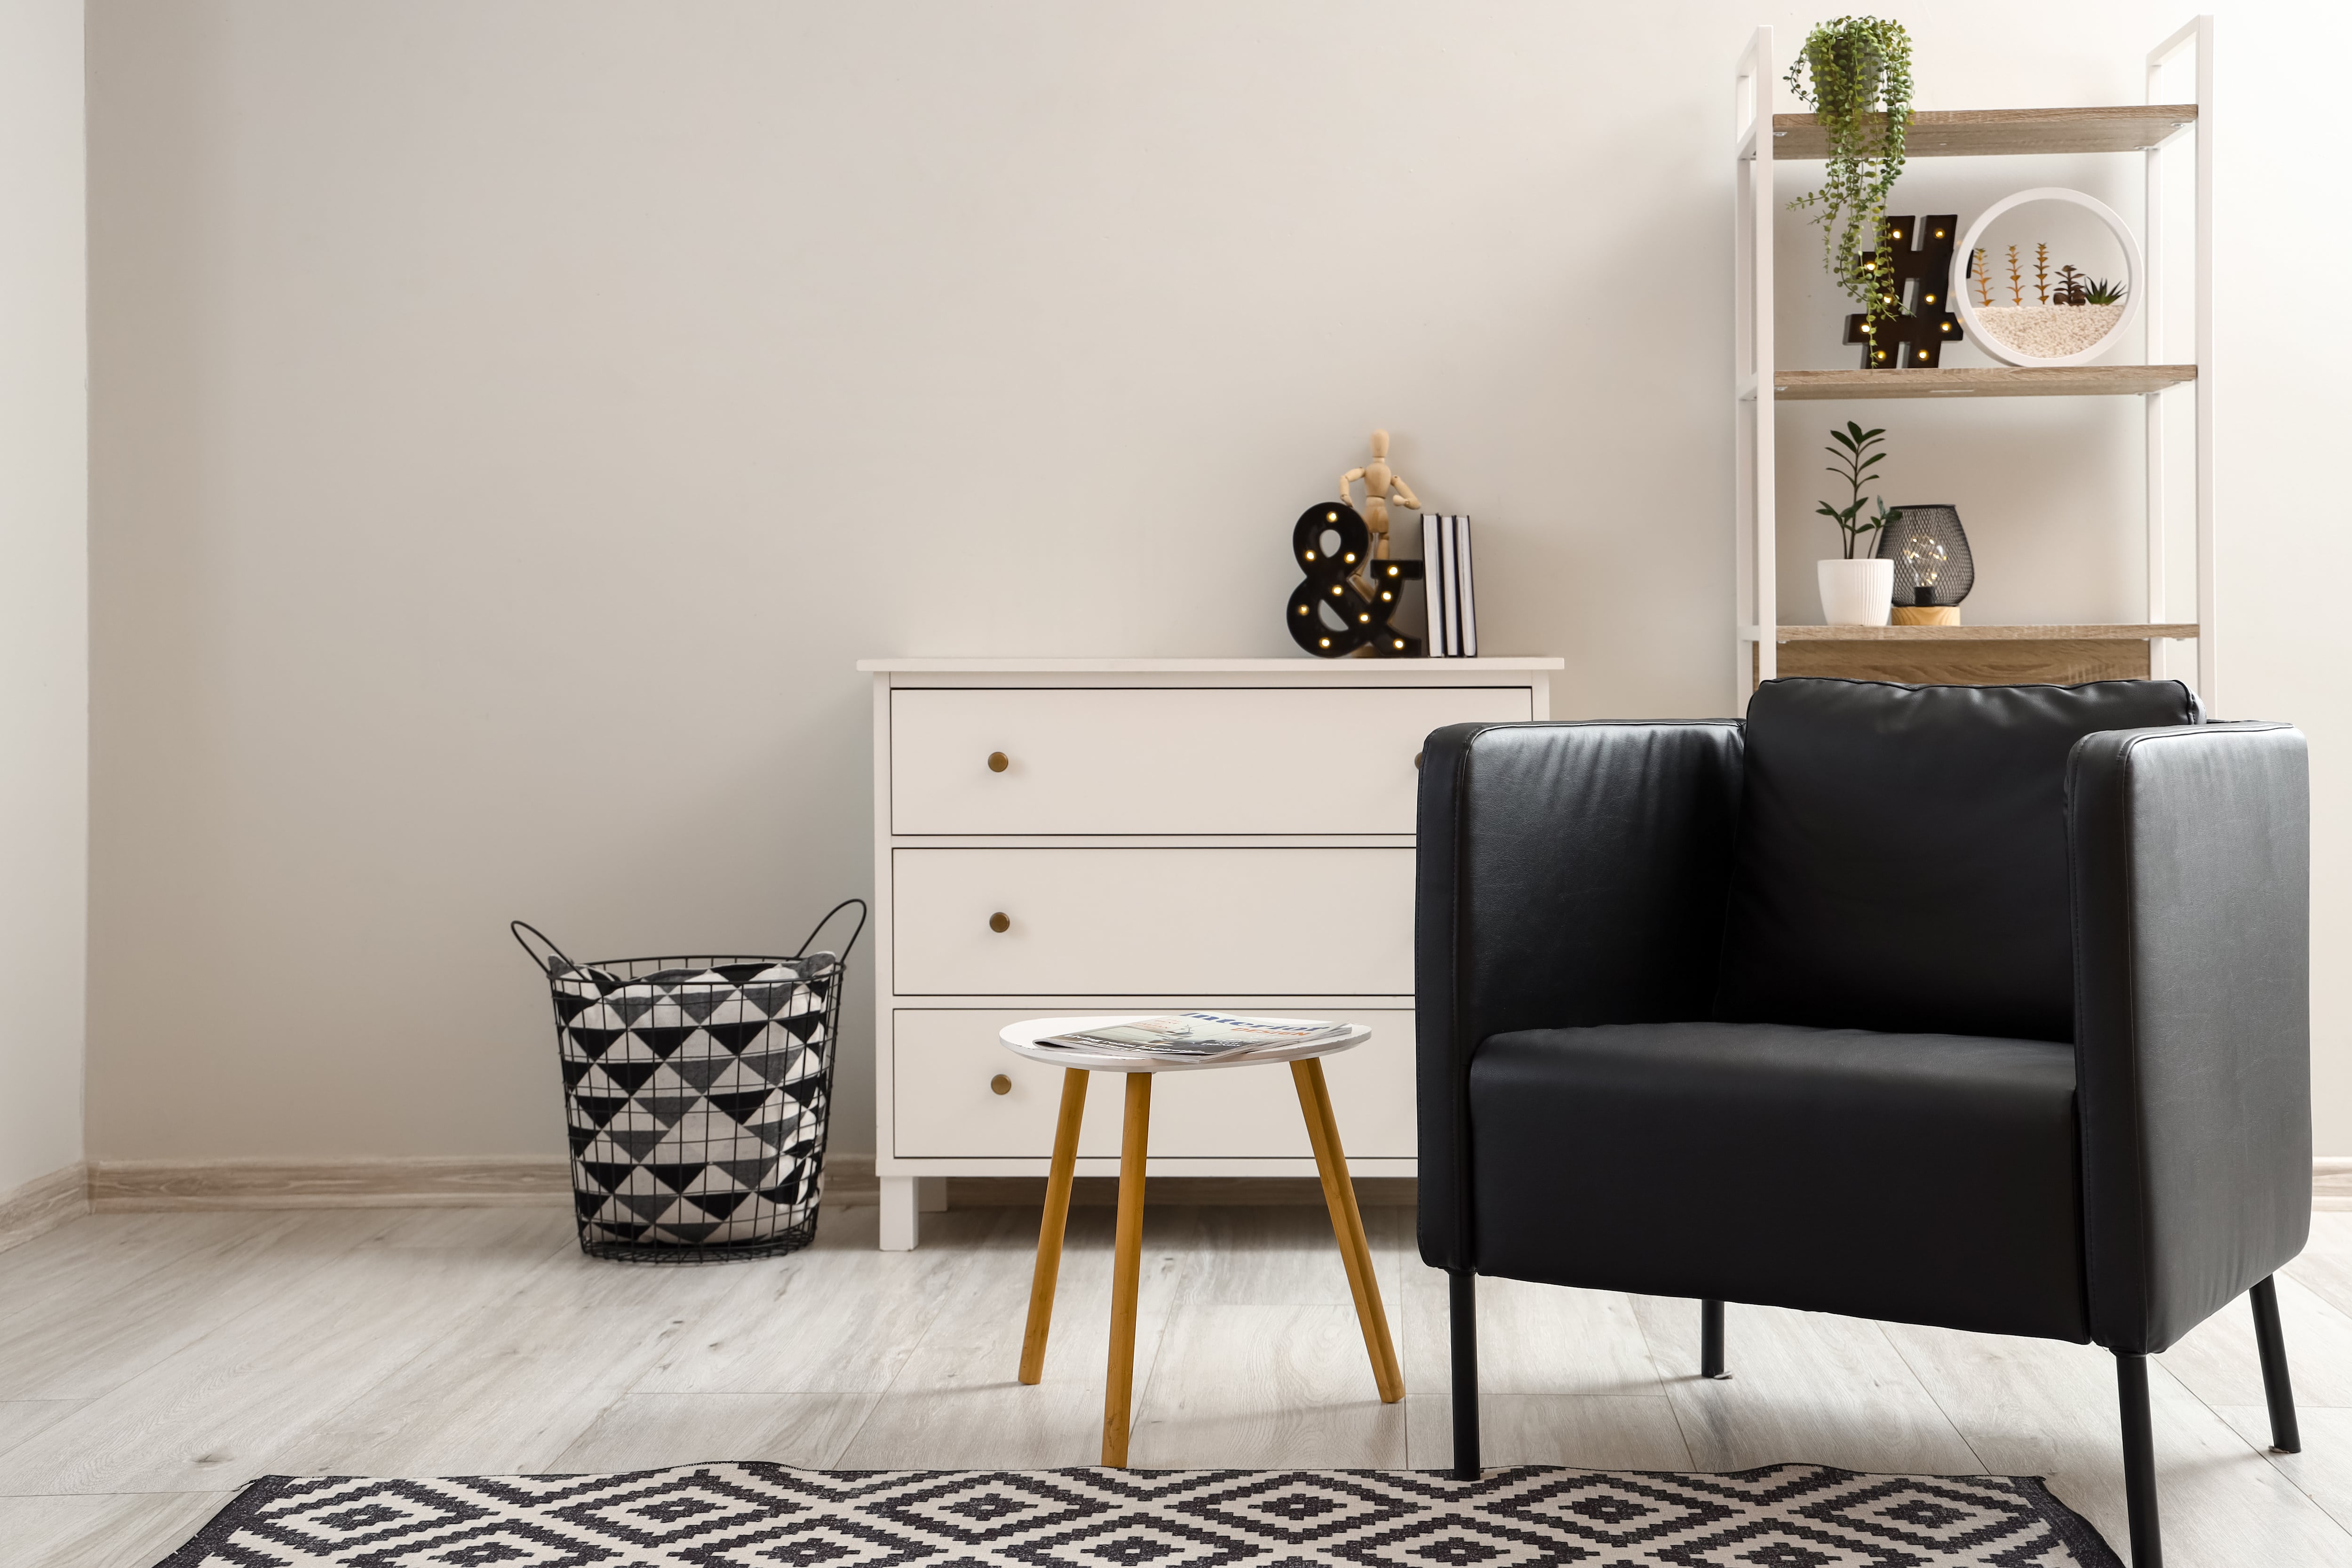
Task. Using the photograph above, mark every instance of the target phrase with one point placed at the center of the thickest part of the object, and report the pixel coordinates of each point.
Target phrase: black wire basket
(696, 1089)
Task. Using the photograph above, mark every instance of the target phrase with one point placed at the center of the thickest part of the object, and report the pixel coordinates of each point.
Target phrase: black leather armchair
(1977, 1006)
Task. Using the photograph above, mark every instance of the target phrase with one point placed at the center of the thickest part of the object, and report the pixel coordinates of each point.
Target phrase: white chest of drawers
(1107, 836)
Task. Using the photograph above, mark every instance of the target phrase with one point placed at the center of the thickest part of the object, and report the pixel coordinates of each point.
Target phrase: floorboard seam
(453, 1335)
(304, 1278)
(1682, 1433)
(2342, 1526)
(1949, 1419)
(2268, 1455)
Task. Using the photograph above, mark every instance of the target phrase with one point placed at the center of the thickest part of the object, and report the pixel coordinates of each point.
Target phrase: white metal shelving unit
(1762, 646)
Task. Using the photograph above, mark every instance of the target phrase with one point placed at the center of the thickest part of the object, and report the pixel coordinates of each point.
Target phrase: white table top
(1022, 1039)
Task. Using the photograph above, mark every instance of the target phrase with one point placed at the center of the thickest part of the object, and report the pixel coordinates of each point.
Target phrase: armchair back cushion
(1902, 860)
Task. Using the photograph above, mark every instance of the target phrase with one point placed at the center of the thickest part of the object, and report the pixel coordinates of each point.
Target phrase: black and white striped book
(1468, 623)
(1452, 606)
(1433, 578)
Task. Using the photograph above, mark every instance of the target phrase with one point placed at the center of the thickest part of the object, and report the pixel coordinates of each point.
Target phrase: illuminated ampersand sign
(1348, 597)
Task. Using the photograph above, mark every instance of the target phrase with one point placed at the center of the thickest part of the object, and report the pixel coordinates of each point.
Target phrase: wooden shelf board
(1972, 656)
(1986, 633)
(2123, 633)
(1992, 380)
(1975, 132)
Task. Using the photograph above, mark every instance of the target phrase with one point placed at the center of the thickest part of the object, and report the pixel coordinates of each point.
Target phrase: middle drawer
(1125, 923)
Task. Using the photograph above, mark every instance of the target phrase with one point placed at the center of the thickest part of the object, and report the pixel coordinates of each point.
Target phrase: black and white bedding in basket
(695, 1091)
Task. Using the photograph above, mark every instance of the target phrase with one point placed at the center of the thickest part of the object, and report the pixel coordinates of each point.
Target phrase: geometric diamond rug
(772, 1516)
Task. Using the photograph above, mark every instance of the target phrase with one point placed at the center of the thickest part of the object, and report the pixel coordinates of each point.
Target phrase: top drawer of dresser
(1280, 759)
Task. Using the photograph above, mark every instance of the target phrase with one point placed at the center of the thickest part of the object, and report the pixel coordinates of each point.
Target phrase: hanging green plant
(1856, 63)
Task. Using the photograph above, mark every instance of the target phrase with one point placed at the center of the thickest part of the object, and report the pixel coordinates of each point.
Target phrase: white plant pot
(1857, 593)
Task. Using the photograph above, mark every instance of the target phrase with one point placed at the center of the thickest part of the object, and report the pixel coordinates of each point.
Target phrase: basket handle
(518, 927)
(820, 925)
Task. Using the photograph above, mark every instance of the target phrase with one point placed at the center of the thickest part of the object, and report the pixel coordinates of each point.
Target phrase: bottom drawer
(942, 1107)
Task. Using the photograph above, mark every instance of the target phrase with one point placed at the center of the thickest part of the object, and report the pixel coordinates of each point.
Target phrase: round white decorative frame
(1957, 287)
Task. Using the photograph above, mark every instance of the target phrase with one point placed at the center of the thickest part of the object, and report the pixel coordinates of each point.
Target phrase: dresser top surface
(1374, 669)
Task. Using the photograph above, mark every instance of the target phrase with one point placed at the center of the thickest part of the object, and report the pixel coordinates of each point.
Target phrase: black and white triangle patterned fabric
(769, 1516)
(696, 1098)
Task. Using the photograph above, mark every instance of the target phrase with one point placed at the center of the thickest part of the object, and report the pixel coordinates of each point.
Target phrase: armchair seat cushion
(1915, 1178)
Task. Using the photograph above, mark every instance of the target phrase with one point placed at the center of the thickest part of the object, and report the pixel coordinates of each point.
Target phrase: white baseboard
(851, 1176)
(526, 1181)
(44, 1204)
(134, 1187)
(2331, 1184)
(125, 1187)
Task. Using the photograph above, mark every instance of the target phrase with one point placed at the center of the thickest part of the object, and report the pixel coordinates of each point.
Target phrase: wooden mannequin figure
(1380, 482)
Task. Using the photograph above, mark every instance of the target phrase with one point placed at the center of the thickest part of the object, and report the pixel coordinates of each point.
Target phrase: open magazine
(1197, 1037)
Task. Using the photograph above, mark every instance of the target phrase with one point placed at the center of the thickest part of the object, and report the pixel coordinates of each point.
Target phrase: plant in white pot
(1858, 590)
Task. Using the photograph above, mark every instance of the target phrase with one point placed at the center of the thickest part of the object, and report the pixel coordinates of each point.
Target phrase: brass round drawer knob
(1000, 1084)
(1416, 759)
(1000, 922)
(998, 762)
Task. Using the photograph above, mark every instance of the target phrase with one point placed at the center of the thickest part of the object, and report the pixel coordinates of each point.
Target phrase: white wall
(44, 589)
(511, 422)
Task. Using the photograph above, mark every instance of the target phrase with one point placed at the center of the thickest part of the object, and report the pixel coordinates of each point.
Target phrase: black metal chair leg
(2139, 1461)
(2285, 1436)
(1462, 1309)
(1710, 1340)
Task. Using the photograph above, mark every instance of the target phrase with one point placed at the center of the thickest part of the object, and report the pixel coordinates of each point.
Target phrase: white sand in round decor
(2049, 331)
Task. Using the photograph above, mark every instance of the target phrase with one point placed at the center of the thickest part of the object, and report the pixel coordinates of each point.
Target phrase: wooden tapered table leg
(1348, 1225)
(1057, 1222)
(1127, 1264)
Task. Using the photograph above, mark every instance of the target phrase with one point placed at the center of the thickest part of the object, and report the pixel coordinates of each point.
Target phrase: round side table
(1330, 1161)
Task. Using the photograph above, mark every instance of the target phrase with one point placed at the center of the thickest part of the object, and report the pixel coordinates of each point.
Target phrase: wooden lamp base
(1926, 614)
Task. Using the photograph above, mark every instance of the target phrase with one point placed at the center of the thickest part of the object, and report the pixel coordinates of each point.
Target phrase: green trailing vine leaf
(1856, 63)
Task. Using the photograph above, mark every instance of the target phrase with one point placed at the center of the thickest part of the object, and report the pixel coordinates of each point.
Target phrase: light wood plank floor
(149, 1365)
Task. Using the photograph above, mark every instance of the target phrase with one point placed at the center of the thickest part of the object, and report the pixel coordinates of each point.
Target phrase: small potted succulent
(1857, 590)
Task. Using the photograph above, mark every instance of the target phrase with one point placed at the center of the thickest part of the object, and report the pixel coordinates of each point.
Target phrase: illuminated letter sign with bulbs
(1914, 263)
(1348, 597)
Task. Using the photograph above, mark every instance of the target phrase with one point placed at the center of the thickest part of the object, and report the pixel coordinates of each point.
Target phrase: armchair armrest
(2190, 866)
(1568, 874)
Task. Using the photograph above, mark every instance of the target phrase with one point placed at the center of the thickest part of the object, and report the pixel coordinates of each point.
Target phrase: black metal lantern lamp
(1933, 567)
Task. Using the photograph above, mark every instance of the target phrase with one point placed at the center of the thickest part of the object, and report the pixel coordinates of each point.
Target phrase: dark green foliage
(1853, 460)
